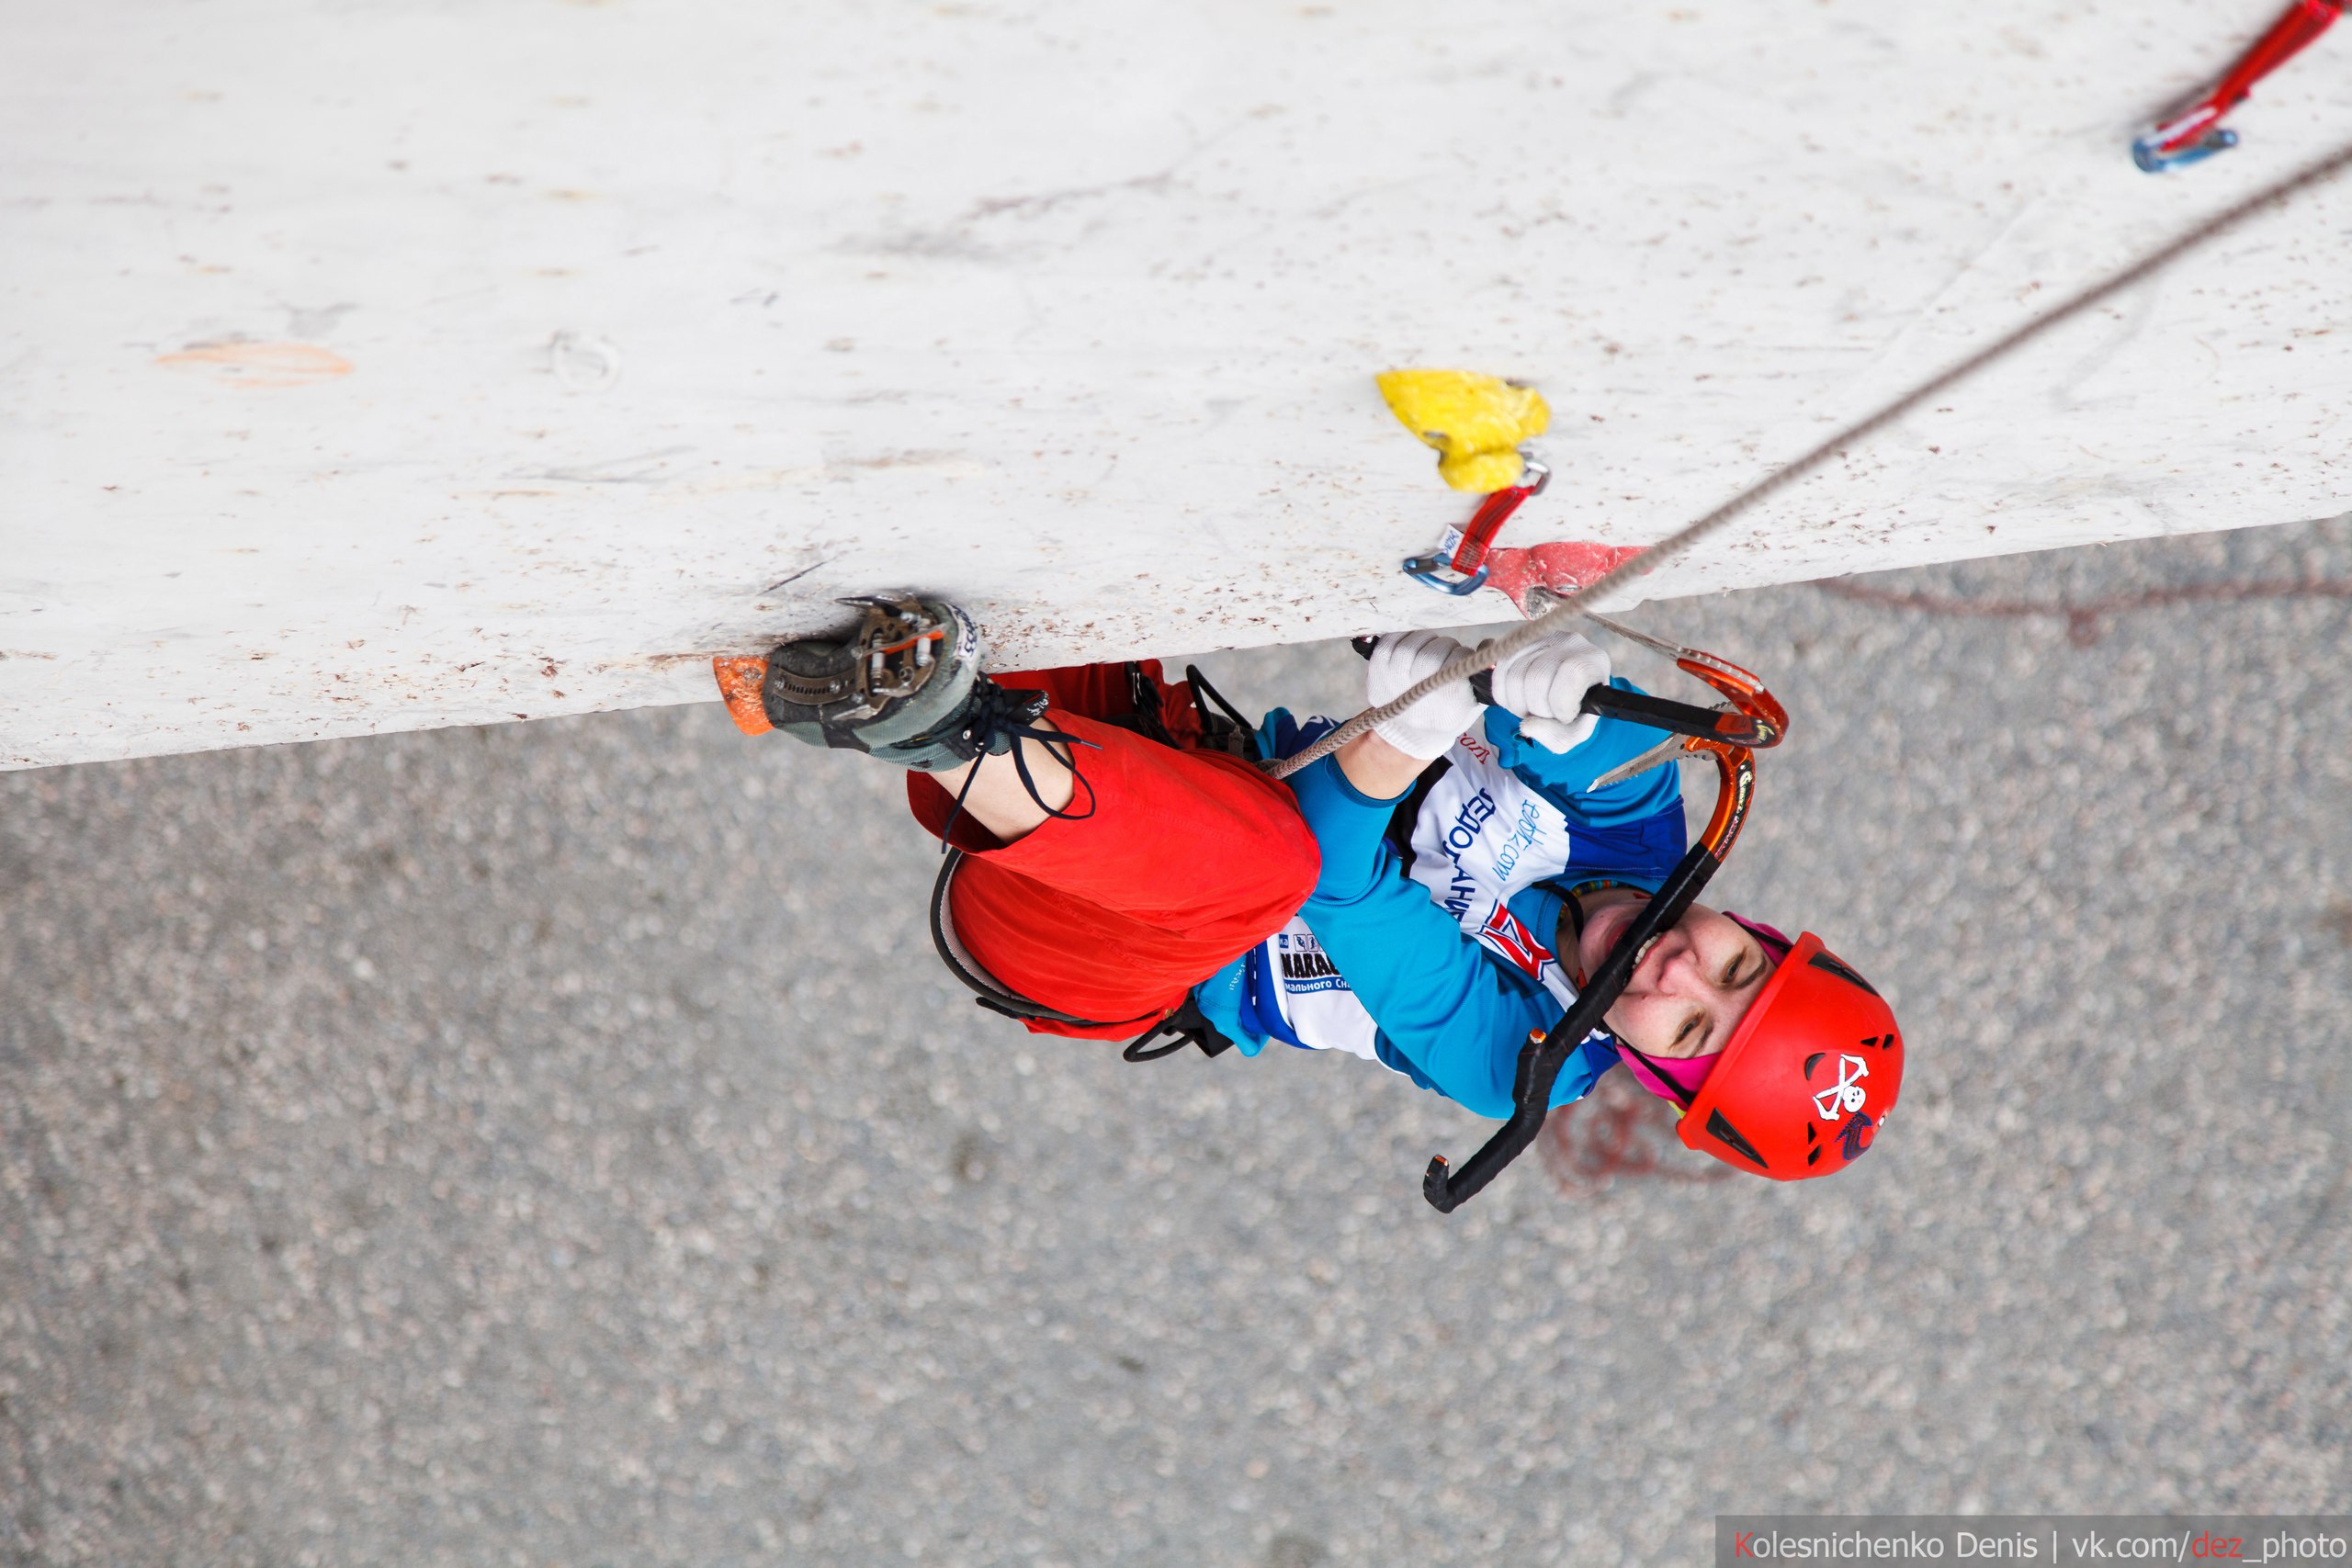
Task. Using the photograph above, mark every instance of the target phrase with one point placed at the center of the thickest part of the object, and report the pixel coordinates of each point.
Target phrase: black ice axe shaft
(1541, 1059)
(1732, 727)
(1751, 718)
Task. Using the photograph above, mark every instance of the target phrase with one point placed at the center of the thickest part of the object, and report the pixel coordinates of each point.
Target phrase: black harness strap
(1225, 729)
(1401, 821)
(991, 993)
(1186, 1024)
(1012, 715)
(1143, 695)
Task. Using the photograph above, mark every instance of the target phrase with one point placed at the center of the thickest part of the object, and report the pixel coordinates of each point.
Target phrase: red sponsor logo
(1508, 935)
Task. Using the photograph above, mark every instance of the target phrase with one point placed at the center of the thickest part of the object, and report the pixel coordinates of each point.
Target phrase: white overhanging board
(373, 366)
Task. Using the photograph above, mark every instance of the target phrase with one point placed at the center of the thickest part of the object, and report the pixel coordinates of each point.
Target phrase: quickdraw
(2195, 133)
(1458, 565)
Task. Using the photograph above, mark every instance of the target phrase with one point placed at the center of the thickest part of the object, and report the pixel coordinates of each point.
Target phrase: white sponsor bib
(1481, 835)
(1315, 998)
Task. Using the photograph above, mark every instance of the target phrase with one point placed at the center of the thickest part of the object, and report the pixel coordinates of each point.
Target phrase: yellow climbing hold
(1475, 421)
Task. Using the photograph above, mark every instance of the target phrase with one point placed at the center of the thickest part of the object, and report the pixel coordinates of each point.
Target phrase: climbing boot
(904, 686)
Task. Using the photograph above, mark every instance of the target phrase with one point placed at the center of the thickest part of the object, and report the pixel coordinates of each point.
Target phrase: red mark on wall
(258, 363)
(1563, 568)
(1618, 1129)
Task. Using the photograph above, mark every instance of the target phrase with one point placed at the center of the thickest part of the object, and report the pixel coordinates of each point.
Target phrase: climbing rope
(1489, 654)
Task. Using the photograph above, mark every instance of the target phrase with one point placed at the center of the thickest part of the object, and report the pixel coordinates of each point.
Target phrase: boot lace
(997, 722)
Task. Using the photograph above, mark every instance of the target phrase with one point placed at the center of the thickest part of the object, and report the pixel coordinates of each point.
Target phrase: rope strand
(1489, 654)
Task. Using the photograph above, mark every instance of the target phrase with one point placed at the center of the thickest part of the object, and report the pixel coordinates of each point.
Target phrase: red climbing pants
(1189, 860)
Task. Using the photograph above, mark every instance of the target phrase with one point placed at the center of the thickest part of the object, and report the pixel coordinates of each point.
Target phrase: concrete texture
(555, 1144)
(375, 367)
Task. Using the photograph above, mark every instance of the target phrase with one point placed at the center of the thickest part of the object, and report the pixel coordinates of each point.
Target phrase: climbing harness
(1222, 729)
(1186, 1026)
(2194, 134)
(1458, 565)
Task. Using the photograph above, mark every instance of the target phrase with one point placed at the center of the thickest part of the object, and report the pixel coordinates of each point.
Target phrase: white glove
(1429, 727)
(1543, 685)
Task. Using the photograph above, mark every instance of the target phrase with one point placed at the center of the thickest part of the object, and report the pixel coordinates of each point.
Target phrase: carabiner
(2148, 151)
(1458, 565)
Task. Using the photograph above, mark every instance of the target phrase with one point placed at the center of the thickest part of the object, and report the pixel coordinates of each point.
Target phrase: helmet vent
(1822, 960)
(1729, 1136)
(1812, 1062)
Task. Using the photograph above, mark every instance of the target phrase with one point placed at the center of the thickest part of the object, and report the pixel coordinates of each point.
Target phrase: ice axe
(1751, 719)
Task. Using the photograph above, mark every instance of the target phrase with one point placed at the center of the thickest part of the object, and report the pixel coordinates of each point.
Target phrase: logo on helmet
(1846, 1094)
(1856, 1135)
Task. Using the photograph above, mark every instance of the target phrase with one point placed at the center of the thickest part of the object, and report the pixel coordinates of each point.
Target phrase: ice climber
(1423, 897)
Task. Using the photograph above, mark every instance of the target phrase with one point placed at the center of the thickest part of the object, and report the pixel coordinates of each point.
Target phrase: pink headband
(1776, 946)
(1690, 1072)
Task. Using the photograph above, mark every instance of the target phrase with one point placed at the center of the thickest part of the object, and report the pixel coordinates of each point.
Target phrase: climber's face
(1691, 989)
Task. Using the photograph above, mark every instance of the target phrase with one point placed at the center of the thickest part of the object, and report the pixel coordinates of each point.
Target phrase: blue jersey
(1431, 951)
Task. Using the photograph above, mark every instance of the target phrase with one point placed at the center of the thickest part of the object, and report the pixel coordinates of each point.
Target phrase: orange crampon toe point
(740, 679)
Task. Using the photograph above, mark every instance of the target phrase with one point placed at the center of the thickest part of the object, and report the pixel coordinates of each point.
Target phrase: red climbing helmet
(1806, 1081)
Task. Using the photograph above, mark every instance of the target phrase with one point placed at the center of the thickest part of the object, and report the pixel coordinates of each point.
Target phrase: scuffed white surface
(1068, 310)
